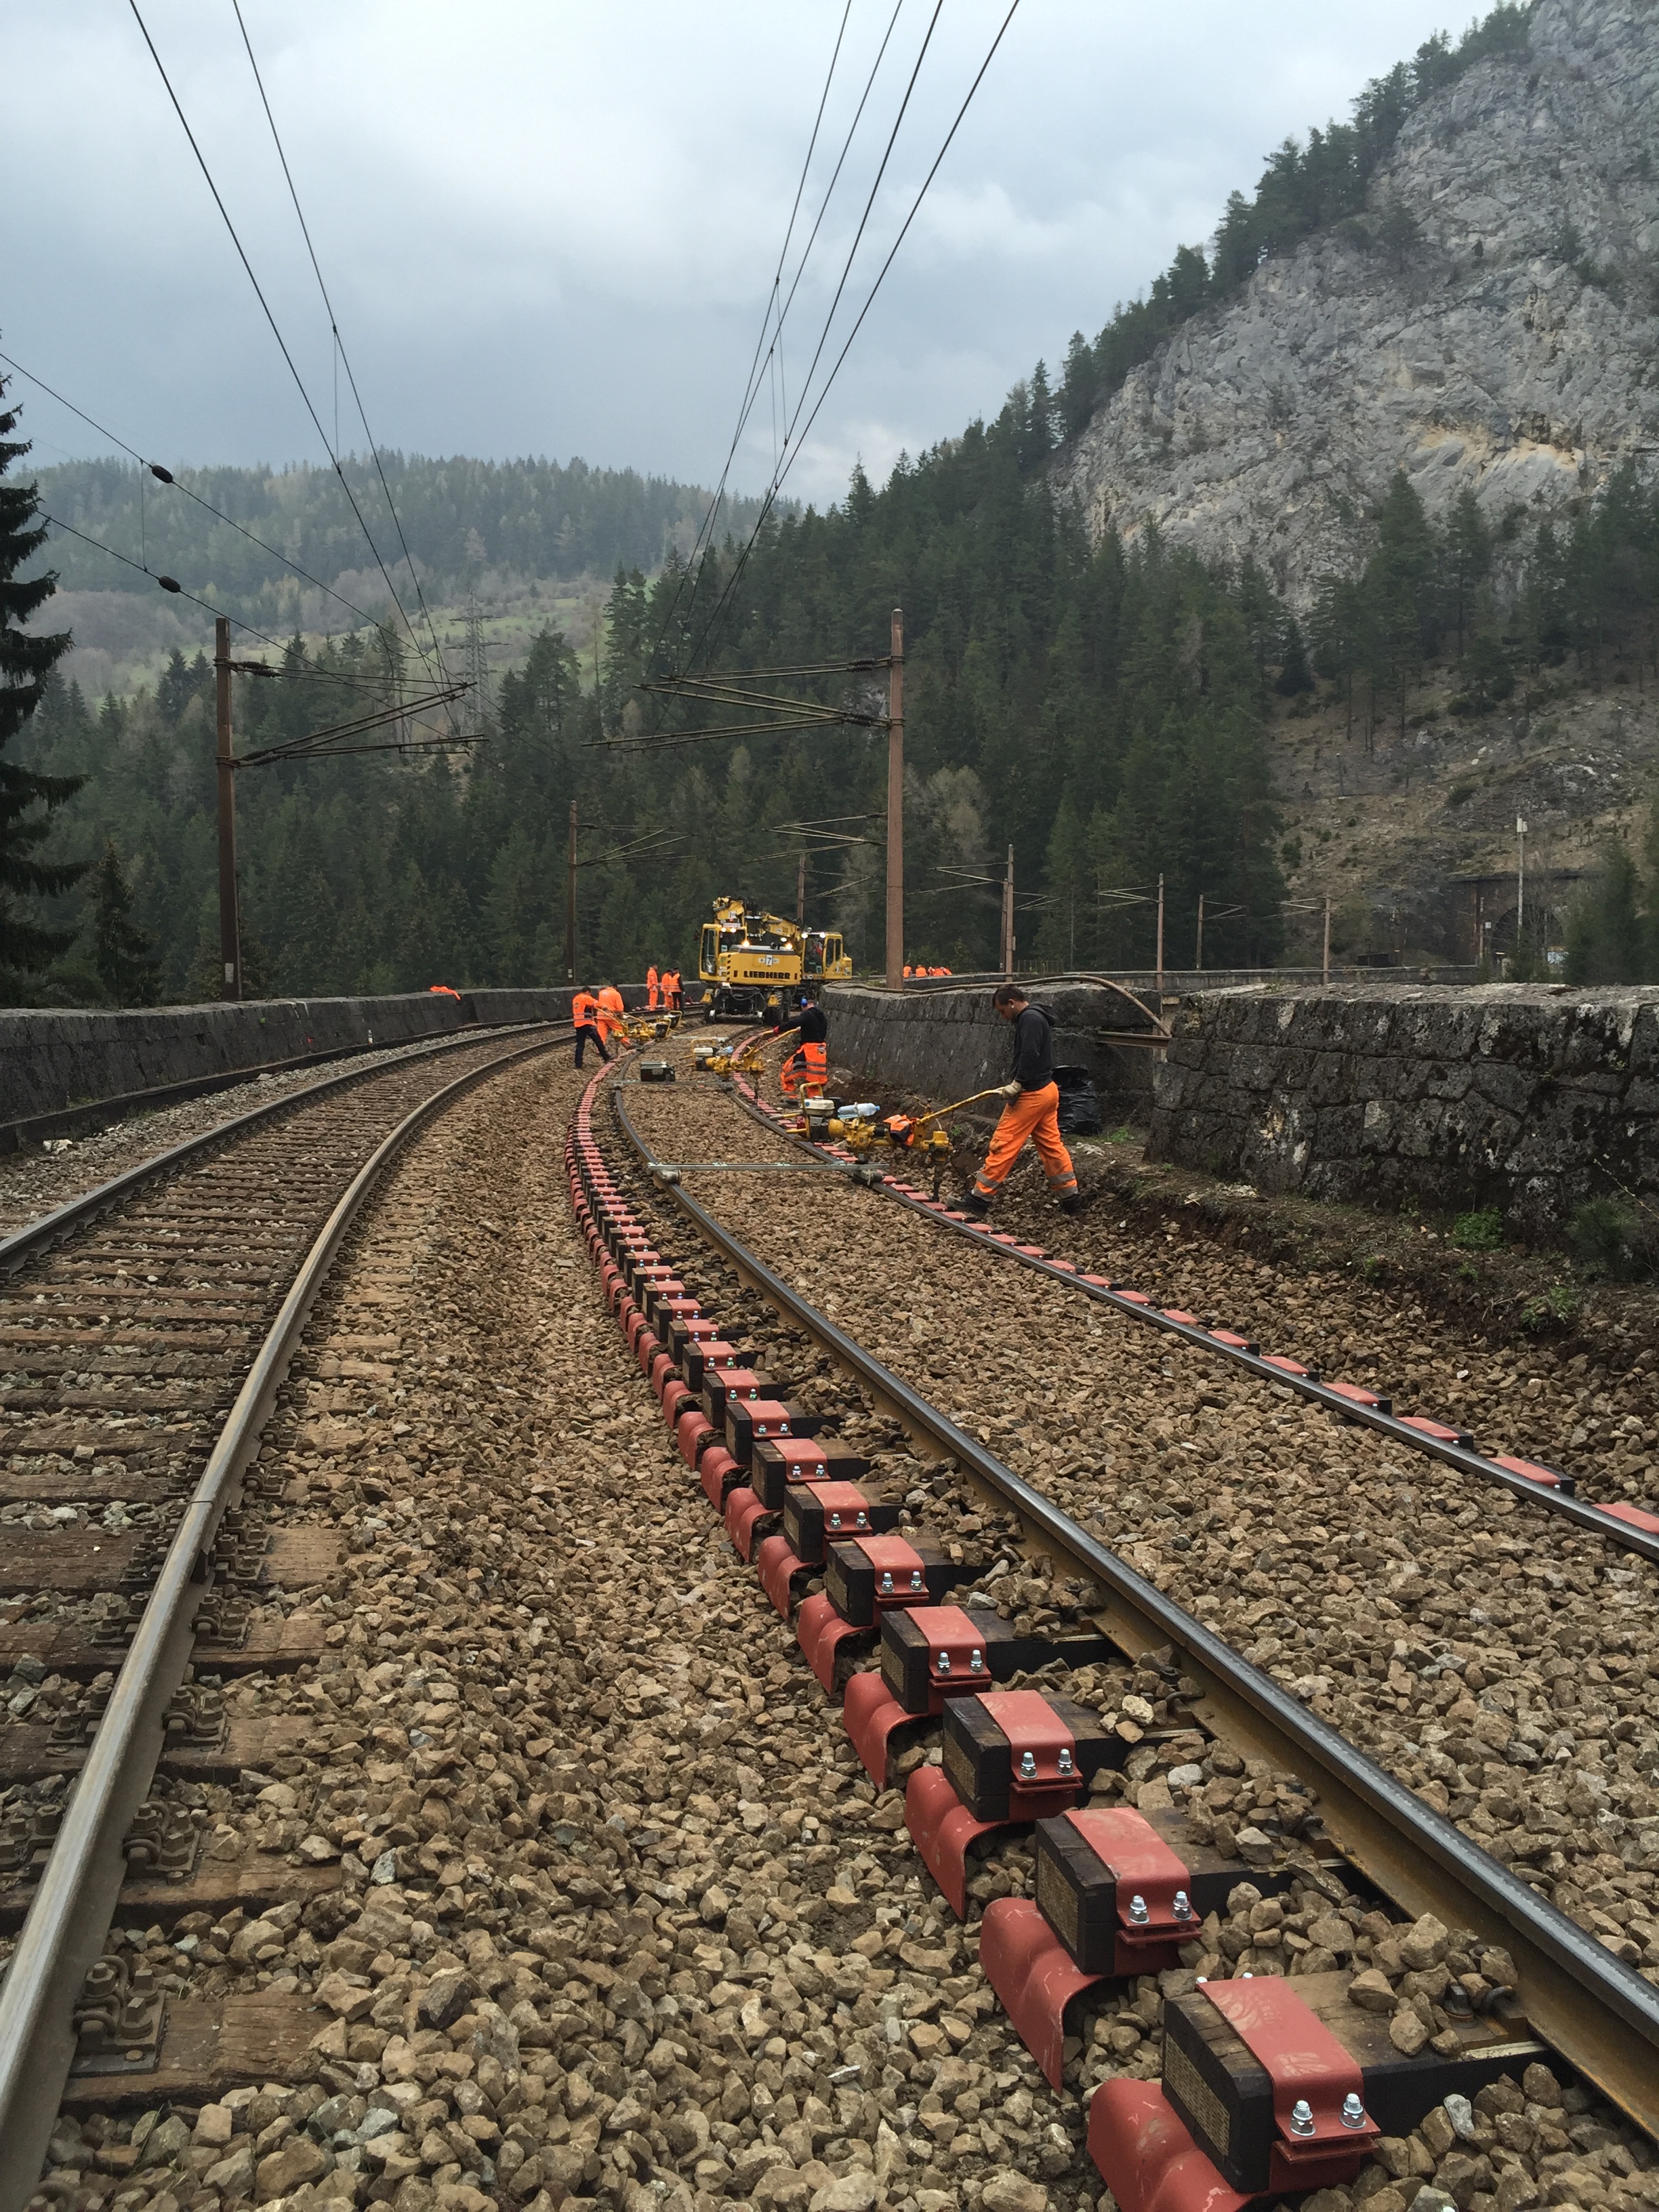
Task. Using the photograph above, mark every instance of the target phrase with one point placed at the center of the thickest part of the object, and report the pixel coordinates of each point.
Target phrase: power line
(175, 589)
(346, 358)
(166, 477)
(770, 498)
(778, 471)
(275, 330)
(751, 386)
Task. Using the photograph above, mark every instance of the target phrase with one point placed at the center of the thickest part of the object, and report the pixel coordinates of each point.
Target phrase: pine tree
(25, 661)
(1606, 937)
(1467, 559)
(120, 950)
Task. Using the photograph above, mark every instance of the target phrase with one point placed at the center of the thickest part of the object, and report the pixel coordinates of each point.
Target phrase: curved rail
(40, 1235)
(64, 1931)
(1626, 1525)
(1597, 2012)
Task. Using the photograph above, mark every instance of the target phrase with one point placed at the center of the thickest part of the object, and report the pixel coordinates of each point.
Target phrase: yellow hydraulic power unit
(747, 957)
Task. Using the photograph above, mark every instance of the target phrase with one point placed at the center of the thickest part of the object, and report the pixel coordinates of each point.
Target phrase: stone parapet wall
(51, 1059)
(948, 1044)
(1529, 1098)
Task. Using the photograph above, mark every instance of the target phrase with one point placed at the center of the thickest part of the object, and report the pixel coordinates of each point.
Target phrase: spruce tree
(27, 801)
(120, 950)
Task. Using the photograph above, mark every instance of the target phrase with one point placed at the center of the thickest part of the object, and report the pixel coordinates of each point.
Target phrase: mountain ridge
(1492, 322)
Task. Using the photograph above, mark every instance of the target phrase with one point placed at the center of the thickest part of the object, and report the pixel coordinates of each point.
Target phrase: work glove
(1009, 1090)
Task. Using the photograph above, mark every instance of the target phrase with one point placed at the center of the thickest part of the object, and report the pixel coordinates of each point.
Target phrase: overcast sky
(552, 228)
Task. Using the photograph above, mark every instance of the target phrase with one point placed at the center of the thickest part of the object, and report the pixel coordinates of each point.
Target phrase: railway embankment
(1533, 1099)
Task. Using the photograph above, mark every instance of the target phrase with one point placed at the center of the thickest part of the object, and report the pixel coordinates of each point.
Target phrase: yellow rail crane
(748, 958)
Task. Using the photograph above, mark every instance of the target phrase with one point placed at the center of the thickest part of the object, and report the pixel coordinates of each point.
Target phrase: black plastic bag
(1079, 1103)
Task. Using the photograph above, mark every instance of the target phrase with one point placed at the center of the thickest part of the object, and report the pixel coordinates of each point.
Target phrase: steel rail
(1598, 2013)
(51, 1227)
(63, 1934)
(1305, 1383)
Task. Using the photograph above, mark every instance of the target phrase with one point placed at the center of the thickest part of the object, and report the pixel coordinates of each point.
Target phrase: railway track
(1585, 2001)
(144, 1329)
(1634, 1527)
(558, 1875)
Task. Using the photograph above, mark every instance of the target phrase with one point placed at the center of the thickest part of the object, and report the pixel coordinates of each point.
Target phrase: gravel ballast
(620, 1920)
(1500, 1662)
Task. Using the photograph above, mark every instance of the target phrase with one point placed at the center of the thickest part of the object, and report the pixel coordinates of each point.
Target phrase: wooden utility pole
(230, 935)
(1328, 941)
(1160, 948)
(896, 806)
(801, 889)
(1198, 959)
(1008, 917)
(570, 904)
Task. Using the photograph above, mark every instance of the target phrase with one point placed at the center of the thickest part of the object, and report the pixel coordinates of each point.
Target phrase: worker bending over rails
(1033, 1109)
(810, 1061)
(585, 1013)
(611, 1015)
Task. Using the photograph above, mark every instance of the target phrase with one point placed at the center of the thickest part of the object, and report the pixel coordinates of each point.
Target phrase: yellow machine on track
(748, 958)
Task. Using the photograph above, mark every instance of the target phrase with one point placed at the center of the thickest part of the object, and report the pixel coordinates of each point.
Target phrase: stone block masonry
(52, 1061)
(949, 1043)
(1528, 1098)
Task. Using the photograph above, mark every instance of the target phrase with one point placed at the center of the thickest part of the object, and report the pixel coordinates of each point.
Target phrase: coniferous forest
(1103, 710)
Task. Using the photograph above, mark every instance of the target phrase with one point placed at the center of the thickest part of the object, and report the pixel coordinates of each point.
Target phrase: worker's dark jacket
(814, 1025)
(1034, 1048)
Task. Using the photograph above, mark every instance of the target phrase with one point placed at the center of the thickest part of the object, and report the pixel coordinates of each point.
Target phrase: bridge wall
(948, 1044)
(1528, 1098)
(51, 1061)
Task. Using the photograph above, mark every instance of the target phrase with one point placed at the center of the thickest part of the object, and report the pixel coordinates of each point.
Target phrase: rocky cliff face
(1493, 351)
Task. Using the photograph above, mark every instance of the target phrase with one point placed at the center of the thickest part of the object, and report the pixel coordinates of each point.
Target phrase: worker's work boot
(1072, 1203)
(971, 1202)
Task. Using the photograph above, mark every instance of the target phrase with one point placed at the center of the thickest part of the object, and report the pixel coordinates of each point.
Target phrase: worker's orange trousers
(1036, 1115)
(807, 1064)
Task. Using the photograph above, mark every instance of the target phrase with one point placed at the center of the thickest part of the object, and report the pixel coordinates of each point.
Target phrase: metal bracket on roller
(942, 1827)
(1033, 1975)
(743, 1511)
(1146, 2157)
(826, 1638)
(870, 1713)
(777, 1567)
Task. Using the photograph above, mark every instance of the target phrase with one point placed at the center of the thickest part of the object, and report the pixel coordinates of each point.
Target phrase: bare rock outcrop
(1512, 344)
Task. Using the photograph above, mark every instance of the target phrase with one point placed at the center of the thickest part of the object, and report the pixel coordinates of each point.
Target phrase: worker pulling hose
(1032, 1111)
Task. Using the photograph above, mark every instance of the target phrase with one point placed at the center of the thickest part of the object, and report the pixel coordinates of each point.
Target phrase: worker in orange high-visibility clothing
(808, 1065)
(1033, 1109)
(585, 1013)
(651, 990)
(675, 998)
(611, 1012)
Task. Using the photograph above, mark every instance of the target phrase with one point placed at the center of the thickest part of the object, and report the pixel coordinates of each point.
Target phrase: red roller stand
(777, 1567)
(1034, 1977)
(743, 1513)
(1146, 2157)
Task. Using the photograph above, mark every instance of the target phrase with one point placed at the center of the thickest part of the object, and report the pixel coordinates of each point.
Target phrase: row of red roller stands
(1117, 1892)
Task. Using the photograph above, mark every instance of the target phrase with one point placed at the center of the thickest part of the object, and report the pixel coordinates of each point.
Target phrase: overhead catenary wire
(752, 384)
(275, 330)
(793, 449)
(175, 589)
(342, 358)
(166, 477)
